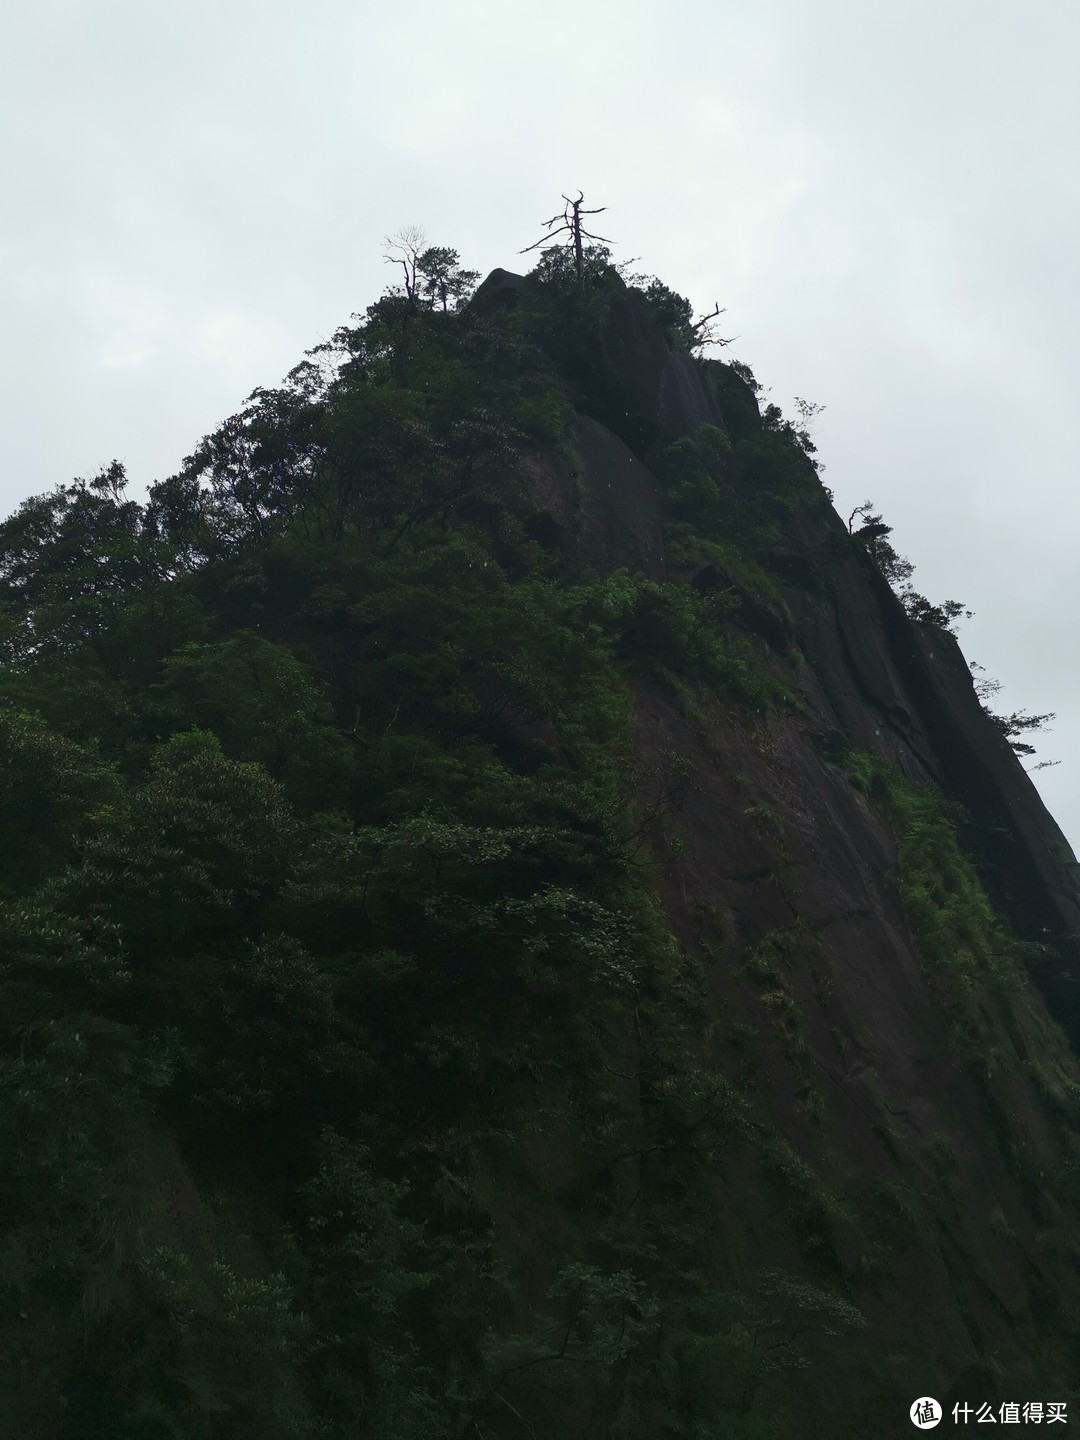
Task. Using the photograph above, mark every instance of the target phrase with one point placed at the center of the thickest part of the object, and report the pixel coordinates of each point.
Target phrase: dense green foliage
(972, 956)
(321, 828)
(326, 921)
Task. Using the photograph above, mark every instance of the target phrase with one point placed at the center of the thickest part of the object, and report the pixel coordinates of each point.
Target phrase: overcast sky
(885, 198)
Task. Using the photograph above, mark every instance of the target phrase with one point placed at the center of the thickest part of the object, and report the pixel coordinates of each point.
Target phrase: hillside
(510, 927)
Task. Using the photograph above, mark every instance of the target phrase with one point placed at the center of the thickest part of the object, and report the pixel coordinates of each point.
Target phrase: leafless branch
(702, 328)
(542, 241)
(405, 248)
(716, 310)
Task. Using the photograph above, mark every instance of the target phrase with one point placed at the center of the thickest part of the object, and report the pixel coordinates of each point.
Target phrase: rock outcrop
(606, 503)
(780, 878)
(651, 391)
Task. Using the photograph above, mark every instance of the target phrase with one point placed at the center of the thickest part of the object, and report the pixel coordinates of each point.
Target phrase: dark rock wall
(773, 839)
(904, 691)
(652, 394)
(870, 1015)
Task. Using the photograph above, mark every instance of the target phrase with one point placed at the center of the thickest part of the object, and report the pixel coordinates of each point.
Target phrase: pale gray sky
(886, 199)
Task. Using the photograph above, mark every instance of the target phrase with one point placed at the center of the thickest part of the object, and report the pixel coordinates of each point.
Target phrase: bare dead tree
(404, 249)
(572, 226)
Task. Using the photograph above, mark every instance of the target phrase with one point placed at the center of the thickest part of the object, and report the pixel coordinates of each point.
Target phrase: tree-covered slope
(509, 928)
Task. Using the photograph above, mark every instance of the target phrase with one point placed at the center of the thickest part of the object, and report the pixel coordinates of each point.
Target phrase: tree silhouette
(432, 274)
(571, 226)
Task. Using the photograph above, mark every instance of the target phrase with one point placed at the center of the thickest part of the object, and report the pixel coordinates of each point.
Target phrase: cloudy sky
(885, 198)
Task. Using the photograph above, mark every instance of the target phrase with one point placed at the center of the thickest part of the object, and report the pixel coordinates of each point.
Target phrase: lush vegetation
(322, 838)
(973, 958)
(327, 926)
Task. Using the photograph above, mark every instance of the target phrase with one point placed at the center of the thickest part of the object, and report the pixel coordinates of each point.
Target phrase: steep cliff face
(930, 1105)
(791, 859)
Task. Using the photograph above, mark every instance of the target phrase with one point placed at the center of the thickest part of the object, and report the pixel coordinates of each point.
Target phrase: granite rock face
(501, 289)
(652, 394)
(881, 682)
(772, 844)
(774, 841)
(905, 691)
(634, 382)
(606, 503)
